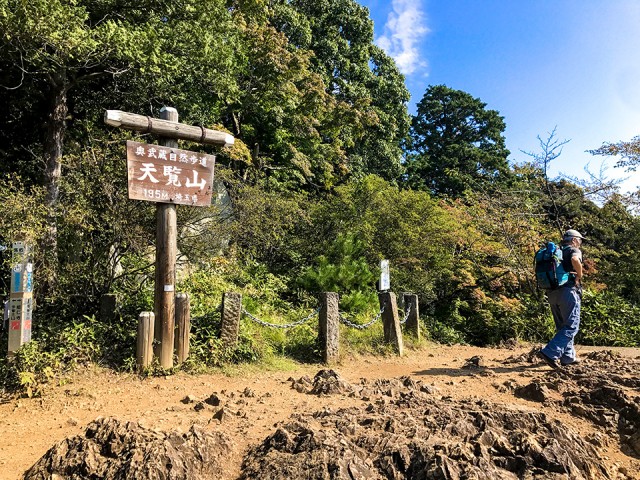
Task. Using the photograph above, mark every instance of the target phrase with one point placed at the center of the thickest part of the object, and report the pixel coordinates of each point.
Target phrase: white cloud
(405, 27)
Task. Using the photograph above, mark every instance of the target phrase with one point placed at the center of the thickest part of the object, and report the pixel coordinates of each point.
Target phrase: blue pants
(565, 307)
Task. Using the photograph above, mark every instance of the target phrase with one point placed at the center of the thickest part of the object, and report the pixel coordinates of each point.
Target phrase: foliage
(370, 118)
(343, 270)
(60, 350)
(629, 152)
(608, 319)
(455, 144)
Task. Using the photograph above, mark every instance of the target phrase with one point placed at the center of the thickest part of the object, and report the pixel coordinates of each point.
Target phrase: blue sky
(570, 64)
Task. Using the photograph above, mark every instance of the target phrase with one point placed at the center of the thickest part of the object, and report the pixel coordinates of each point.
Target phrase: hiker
(565, 305)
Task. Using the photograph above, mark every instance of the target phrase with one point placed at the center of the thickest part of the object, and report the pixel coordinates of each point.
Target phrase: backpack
(550, 273)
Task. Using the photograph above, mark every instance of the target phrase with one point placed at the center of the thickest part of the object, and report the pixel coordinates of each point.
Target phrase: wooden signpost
(167, 176)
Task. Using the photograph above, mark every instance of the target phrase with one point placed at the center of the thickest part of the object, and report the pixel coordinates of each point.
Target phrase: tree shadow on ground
(469, 372)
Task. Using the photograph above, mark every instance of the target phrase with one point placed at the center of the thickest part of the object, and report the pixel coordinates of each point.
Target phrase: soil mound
(414, 436)
(119, 450)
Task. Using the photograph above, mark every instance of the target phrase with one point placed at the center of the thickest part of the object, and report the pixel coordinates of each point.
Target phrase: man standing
(565, 305)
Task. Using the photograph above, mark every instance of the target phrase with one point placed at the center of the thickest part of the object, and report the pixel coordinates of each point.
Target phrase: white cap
(572, 233)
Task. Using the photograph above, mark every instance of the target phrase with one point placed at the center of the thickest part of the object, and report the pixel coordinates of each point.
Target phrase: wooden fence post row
(328, 325)
(146, 333)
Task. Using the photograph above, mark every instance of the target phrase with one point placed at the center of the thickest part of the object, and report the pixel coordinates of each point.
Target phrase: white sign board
(385, 280)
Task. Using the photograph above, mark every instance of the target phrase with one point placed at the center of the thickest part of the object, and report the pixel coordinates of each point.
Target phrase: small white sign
(385, 279)
(168, 288)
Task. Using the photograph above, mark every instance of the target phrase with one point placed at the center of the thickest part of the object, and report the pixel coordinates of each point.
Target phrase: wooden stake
(144, 353)
(166, 251)
(183, 324)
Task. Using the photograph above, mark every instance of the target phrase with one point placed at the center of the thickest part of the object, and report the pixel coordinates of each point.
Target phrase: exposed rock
(475, 363)
(414, 436)
(529, 357)
(509, 344)
(221, 415)
(119, 450)
(248, 393)
(302, 385)
(189, 399)
(598, 389)
(328, 382)
(534, 391)
(213, 400)
(72, 421)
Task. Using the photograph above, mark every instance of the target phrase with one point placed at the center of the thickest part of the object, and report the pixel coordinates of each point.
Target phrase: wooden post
(329, 327)
(183, 326)
(231, 313)
(166, 251)
(391, 321)
(144, 353)
(413, 320)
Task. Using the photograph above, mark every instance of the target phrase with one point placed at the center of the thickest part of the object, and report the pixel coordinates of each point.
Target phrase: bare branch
(597, 186)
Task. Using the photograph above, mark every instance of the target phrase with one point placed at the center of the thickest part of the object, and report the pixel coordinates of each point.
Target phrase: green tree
(371, 96)
(72, 60)
(456, 143)
(282, 110)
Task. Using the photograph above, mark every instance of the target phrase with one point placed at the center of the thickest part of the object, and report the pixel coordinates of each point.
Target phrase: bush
(608, 319)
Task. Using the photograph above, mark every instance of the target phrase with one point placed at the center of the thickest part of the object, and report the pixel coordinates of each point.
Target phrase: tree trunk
(53, 148)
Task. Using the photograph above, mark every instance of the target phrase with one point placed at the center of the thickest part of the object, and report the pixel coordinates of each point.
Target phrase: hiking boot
(575, 361)
(548, 360)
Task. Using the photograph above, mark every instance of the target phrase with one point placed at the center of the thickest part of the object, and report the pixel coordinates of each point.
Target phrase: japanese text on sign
(169, 175)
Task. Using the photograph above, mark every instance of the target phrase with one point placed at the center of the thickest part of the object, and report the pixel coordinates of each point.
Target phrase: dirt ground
(252, 405)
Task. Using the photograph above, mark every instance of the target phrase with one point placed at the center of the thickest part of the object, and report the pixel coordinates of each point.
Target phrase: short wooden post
(144, 354)
(413, 320)
(231, 313)
(108, 308)
(166, 251)
(183, 326)
(391, 321)
(329, 327)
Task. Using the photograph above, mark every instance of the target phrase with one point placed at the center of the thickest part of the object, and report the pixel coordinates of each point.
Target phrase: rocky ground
(438, 413)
